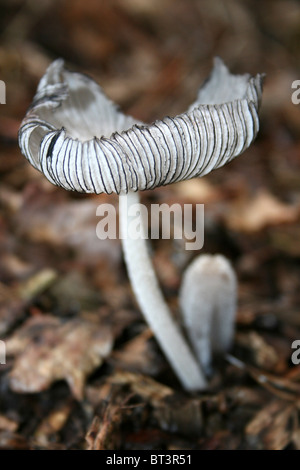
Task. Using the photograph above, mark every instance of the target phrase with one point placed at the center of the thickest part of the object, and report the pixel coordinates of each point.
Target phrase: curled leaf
(48, 349)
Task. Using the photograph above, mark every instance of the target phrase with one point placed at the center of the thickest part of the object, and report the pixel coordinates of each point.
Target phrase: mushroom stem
(152, 303)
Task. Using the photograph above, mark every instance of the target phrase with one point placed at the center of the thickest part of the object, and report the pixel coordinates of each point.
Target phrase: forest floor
(82, 368)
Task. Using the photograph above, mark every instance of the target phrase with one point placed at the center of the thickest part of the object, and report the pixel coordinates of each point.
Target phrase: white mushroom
(207, 298)
(80, 141)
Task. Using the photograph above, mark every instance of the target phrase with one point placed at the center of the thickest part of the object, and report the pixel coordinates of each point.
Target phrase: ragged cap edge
(143, 156)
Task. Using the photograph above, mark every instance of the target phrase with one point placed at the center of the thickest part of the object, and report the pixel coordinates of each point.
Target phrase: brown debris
(263, 354)
(264, 210)
(272, 427)
(8, 424)
(12, 441)
(49, 349)
(15, 300)
(11, 309)
(50, 219)
(104, 432)
(52, 424)
(138, 355)
(173, 412)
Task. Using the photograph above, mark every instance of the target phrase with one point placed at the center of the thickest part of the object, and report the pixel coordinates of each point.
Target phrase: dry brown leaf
(221, 440)
(244, 396)
(9, 127)
(11, 440)
(181, 415)
(262, 211)
(14, 300)
(7, 424)
(47, 217)
(138, 355)
(11, 309)
(142, 385)
(264, 355)
(52, 424)
(49, 349)
(12, 267)
(286, 240)
(198, 190)
(144, 7)
(173, 412)
(271, 428)
(170, 411)
(296, 439)
(73, 292)
(104, 432)
(283, 387)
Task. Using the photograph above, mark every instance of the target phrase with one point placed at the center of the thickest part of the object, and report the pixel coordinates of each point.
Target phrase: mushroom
(207, 299)
(78, 138)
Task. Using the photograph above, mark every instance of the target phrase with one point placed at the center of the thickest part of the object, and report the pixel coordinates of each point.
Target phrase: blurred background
(150, 57)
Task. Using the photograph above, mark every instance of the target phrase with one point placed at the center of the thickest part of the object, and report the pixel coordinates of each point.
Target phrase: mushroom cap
(80, 140)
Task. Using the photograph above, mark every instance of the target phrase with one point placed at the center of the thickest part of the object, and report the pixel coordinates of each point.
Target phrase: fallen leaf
(104, 433)
(282, 387)
(142, 385)
(9, 128)
(11, 308)
(138, 355)
(13, 267)
(52, 424)
(296, 439)
(198, 190)
(286, 240)
(49, 349)
(114, 408)
(271, 428)
(221, 440)
(48, 217)
(263, 354)
(172, 411)
(11, 440)
(262, 211)
(73, 293)
(152, 402)
(7, 424)
(14, 300)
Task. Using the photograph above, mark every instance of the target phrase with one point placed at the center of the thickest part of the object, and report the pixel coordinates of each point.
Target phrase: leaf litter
(82, 370)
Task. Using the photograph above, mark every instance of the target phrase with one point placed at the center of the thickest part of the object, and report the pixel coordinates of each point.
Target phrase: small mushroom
(78, 138)
(208, 298)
